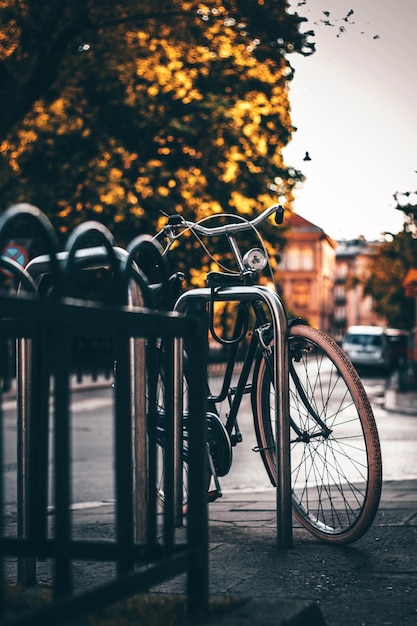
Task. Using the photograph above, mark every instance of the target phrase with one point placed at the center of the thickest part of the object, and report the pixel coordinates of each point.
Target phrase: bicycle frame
(237, 392)
(256, 294)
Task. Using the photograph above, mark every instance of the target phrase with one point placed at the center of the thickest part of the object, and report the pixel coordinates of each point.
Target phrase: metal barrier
(282, 414)
(44, 323)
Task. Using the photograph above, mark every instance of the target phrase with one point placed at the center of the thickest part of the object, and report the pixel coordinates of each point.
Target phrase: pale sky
(354, 103)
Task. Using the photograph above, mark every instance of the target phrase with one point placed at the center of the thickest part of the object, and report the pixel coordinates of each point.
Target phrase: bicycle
(336, 467)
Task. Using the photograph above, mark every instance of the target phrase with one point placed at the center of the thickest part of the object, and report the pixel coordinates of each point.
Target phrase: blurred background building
(319, 278)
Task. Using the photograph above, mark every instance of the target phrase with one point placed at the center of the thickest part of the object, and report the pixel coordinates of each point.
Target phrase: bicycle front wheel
(336, 468)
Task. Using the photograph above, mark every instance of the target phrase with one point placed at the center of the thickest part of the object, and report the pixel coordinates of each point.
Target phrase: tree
(117, 111)
(385, 275)
(407, 203)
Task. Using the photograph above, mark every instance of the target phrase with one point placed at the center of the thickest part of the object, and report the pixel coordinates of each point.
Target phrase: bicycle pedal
(213, 495)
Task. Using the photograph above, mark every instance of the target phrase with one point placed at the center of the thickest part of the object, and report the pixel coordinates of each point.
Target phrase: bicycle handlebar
(230, 228)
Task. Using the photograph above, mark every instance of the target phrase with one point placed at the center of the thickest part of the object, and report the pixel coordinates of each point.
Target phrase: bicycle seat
(222, 279)
(159, 289)
(163, 295)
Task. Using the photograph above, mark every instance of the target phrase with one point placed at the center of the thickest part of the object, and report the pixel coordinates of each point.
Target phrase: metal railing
(146, 547)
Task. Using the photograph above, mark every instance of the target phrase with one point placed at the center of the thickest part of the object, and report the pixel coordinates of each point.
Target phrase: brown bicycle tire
(335, 513)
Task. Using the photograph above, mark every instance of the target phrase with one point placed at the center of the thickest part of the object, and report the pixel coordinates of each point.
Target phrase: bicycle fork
(264, 337)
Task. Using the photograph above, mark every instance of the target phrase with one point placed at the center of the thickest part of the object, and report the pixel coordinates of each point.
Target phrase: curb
(400, 403)
(87, 384)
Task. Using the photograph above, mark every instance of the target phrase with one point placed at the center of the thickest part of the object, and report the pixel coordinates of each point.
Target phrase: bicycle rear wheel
(219, 451)
(336, 468)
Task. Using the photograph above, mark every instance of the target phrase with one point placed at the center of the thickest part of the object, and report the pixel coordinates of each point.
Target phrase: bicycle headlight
(255, 259)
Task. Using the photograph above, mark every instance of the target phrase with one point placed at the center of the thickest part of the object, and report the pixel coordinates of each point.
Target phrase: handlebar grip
(279, 215)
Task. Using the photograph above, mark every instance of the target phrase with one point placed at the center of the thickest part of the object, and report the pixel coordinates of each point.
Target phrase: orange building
(351, 305)
(319, 278)
(307, 272)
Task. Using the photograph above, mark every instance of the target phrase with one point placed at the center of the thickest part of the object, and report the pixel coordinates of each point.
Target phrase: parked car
(368, 346)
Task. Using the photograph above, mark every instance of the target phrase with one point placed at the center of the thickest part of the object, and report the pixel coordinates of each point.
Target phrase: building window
(301, 295)
(339, 295)
(340, 313)
(342, 269)
(296, 258)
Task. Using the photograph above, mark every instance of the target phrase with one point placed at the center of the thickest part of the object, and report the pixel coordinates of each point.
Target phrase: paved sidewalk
(372, 582)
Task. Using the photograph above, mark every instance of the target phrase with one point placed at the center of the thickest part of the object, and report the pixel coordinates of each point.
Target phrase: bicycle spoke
(335, 455)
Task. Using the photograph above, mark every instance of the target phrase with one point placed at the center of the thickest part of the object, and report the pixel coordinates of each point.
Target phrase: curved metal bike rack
(43, 316)
(281, 383)
(89, 259)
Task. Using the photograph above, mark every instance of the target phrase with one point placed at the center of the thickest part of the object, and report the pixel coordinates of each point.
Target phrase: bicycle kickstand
(213, 494)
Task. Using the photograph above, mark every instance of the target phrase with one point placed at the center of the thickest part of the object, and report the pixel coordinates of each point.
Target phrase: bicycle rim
(215, 432)
(161, 447)
(336, 469)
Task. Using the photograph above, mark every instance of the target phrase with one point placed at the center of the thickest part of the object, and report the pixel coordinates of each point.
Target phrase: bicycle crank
(219, 444)
(219, 452)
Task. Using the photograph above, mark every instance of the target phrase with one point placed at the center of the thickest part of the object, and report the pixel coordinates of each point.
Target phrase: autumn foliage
(116, 111)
